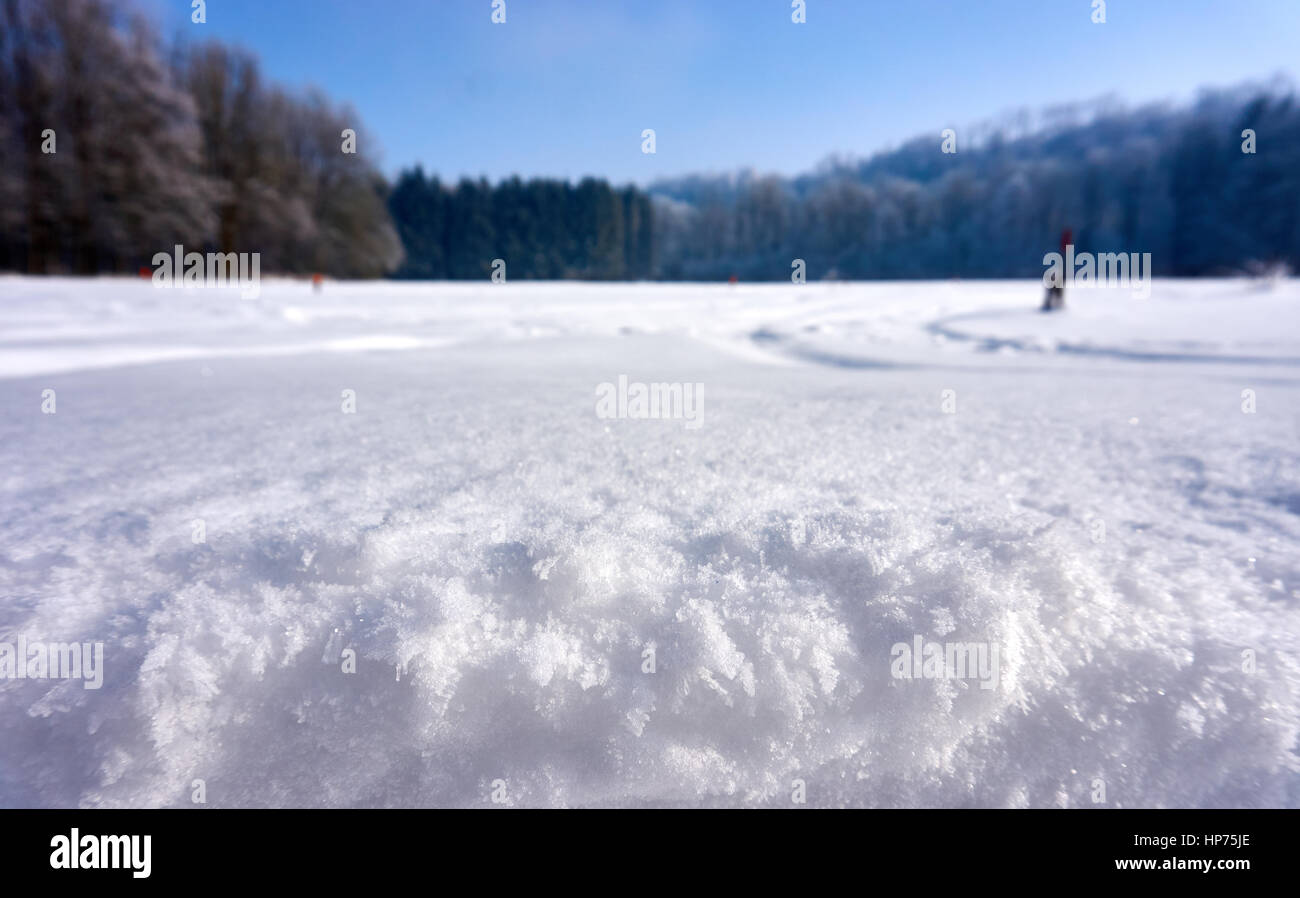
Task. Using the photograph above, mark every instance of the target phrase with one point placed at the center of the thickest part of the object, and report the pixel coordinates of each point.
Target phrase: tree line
(117, 146)
(1207, 188)
(1210, 188)
(540, 228)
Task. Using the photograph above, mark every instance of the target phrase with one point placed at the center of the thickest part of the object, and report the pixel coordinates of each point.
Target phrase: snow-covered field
(1090, 499)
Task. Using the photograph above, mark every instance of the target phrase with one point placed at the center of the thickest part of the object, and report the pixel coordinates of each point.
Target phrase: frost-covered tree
(198, 151)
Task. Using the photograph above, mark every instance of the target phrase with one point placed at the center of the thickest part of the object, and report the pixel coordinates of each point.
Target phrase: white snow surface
(499, 558)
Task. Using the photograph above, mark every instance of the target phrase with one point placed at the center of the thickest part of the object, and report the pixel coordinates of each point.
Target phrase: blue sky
(565, 88)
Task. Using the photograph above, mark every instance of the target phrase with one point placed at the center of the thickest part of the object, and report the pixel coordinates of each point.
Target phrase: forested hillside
(1171, 181)
(117, 146)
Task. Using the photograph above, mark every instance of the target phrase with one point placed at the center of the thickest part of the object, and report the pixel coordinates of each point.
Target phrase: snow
(502, 561)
